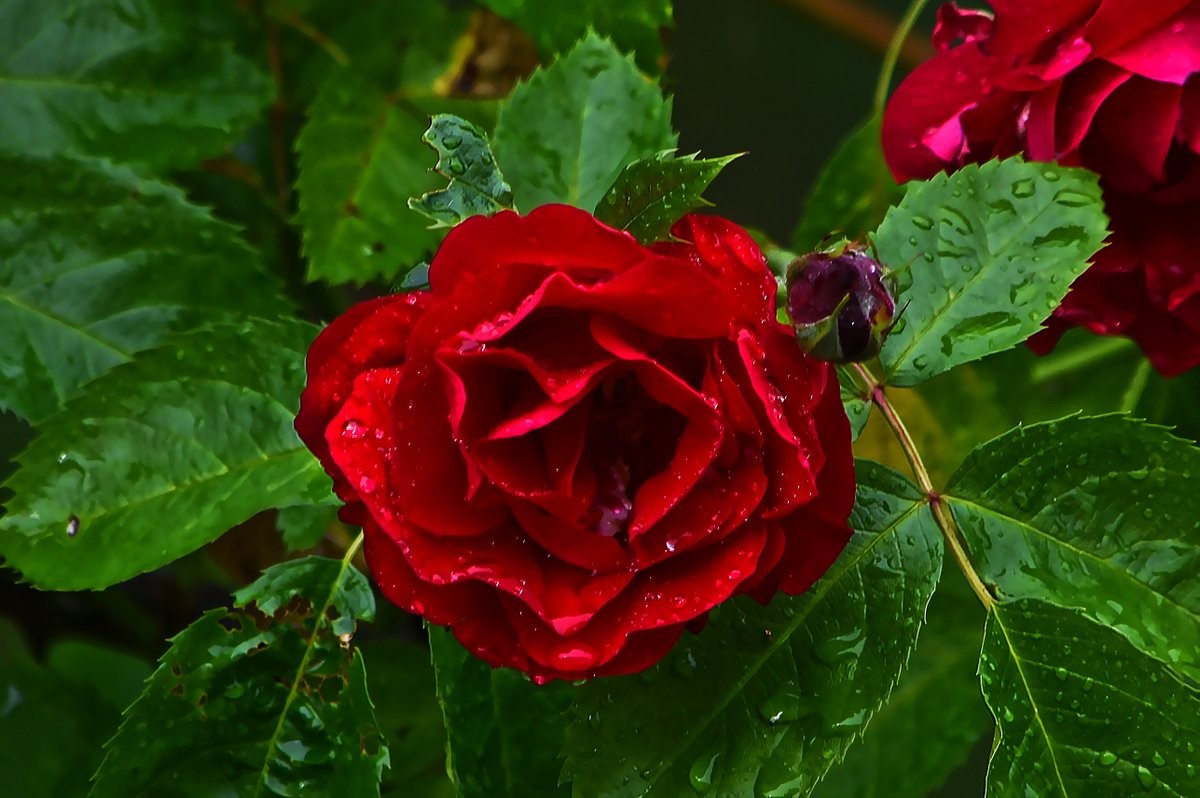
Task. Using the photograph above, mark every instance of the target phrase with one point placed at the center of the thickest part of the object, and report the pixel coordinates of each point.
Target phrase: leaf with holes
(766, 699)
(127, 79)
(265, 699)
(982, 257)
(852, 193)
(503, 732)
(651, 194)
(97, 263)
(1081, 713)
(465, 157)
(566, 133)
(1098, 514)
(161, 456)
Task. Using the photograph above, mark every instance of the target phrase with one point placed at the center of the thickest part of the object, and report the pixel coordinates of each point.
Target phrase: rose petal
(560, 237)
(922, 126)
(1170, 53)
(1117, 22)
(370, 334)
(1021, 26)
(957, 26)
(1081, 95)
(1132, 133)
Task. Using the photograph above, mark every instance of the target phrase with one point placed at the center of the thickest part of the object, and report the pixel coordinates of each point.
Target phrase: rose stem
(941, 513)
(893, 53)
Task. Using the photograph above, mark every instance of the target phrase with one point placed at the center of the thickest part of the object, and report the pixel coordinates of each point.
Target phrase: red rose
(1111, 85)
(572, 445)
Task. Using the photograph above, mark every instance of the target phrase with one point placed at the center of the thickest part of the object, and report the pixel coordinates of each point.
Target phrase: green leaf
(503, 732)
(52, 723)
(465, 157)
(1098, 514)
(566, 133)
(360, 159)
(1081, 713)
(858, 408)
(851, 194)
(406, 707)
(982, 257)
(115, 675)
(651, 194)
(120, 78)
(934, 716)
(766, 699)
(161, 456)
(304, 526)
(266, 699)
(633, 24)
(97, 263)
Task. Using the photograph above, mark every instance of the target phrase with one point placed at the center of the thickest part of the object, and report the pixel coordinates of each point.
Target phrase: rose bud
(839, 304)
(570, 446)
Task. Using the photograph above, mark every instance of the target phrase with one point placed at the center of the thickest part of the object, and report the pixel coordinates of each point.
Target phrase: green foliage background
(177, 179)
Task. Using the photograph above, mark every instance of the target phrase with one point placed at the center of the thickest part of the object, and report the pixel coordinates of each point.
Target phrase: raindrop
(923, 222)
(72, 526)
(1108, 758)
(451, 142)
(1061, 673)
(701, 772)
(593, 721)
(1024, 188)
(1158, 760)
(1145, 777)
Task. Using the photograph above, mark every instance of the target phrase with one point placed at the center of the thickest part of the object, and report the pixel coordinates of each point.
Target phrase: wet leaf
(465, 157)
(935, 715)
(652, 194)
(1098, 514)
(304, 526)
(858, 409)
(766, 699)
(503, 732)
(98, 263)
(126, 79)
(633, 24)
(1080, 712)
(982, 257)
(264, 699)
(161, 456)
(566, 133)
(360, 159)
(406, 707)
(852, 193)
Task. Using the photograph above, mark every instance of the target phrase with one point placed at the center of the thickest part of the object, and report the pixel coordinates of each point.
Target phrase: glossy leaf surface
(651, 194)
(503, 732)
(982, 257)
(1099, 514)
(1080, 712)
(127, 79)
(97, 263)
(465, 158)
(766, 699)
(566, 133)
(161, 456)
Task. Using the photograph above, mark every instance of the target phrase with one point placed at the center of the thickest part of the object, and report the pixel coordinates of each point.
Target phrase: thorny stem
(941, 513)
(893, 53)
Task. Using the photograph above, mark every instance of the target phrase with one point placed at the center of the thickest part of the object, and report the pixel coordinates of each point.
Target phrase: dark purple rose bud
(839, 304)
